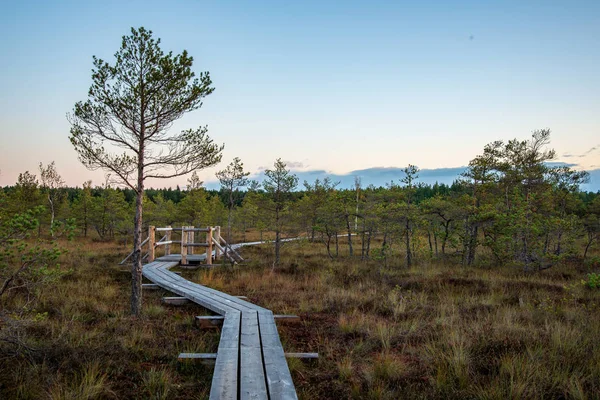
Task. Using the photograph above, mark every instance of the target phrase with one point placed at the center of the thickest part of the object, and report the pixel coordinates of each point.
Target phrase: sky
(331, 87)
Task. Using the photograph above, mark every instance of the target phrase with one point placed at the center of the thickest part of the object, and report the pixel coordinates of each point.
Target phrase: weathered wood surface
(213, 356)
(175, 301)
(214, 321)
(151, 286)
(250, 361)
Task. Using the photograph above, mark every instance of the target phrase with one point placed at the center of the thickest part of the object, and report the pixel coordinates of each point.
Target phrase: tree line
(510, 207)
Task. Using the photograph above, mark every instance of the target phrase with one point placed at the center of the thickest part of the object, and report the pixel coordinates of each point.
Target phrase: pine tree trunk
(430, 244)
(136, 267)
(229, 224)
(587, 246)
(368, 250)
(407, 239)
(51, 215)
(351, 250)
(277, 238)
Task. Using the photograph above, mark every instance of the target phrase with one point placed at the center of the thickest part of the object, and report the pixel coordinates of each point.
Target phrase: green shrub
(593, 281)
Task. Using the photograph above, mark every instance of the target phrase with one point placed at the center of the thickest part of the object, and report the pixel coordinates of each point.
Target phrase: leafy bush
(25, 264)
(593, 281)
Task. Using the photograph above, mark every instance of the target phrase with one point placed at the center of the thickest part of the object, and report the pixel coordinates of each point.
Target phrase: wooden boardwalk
(250, 361)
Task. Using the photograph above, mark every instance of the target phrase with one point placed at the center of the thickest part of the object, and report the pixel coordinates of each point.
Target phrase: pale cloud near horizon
(584, 154)
(295, 164)
(380, 176)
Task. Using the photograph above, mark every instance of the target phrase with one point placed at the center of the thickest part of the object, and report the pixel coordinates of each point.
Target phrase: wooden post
(168, 245)
(152, 239)
(183, 245)
(191, 240)
(217, 235)
(209, 246)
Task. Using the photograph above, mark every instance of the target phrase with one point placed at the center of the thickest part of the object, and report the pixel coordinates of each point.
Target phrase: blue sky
(328, 86)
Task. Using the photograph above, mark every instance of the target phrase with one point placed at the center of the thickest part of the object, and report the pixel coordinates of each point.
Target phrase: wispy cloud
(295, 164)
(561, 164)
(584, 154)
(590, 150)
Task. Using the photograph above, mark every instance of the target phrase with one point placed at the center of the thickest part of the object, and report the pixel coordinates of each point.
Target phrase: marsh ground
(432, 331)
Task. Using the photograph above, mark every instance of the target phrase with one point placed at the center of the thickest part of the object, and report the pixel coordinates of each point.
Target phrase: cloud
(560, 164)
(381, 176)
(590, 150)
(294, 164)
(376, 176)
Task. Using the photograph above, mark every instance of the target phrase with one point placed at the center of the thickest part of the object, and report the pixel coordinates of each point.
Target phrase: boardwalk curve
(250, 360)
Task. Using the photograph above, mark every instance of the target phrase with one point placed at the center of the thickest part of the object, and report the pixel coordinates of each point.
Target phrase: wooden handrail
(130, 254)
(183, 228)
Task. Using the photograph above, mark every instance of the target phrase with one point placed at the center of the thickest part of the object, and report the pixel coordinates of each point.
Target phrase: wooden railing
(216, 247)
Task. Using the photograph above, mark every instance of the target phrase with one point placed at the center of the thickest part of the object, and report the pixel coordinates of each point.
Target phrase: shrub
(593, 281)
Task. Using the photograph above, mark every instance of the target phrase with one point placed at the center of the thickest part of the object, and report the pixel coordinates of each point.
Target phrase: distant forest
(509, 208)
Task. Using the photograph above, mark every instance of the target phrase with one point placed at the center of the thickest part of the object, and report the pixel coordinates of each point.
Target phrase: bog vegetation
(486, 288)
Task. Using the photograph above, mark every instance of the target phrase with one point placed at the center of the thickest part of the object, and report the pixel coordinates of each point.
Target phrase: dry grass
(433, 331)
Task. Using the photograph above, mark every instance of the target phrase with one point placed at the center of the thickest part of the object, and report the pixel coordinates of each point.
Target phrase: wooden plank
(191, 241)
(214, 321)
(198, 266)
(196, 229)
(252, 379)
(218, 296)
(302, 355)
(278, 375)
(177, 257)
(175, 301)
(213, 356)
(190, 287)
(151, 236)
(209, 321)
(233, 248)
(183, 246)
(190, 267)
(203, 358)
(225, 377)
(219, 248)
(230, 333)
(151, 286)
(185, 288)
(168, 241)
(209, 242)
(217, 233)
